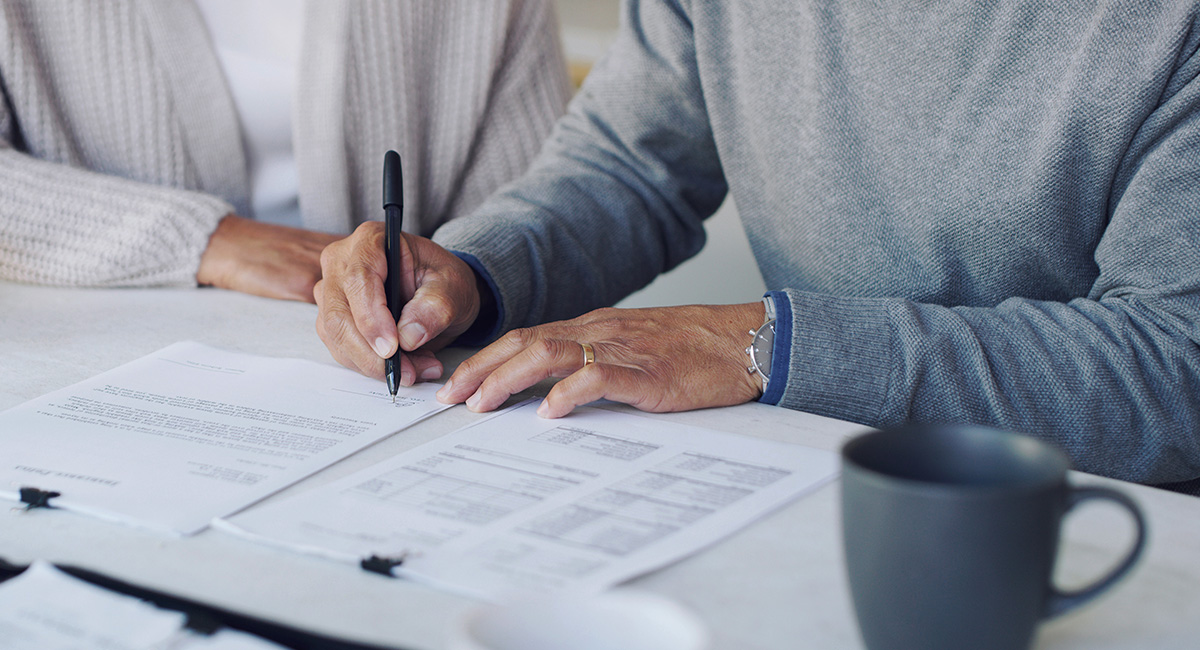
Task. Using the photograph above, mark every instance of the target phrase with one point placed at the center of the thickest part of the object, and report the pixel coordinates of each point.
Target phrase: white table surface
(778, 584)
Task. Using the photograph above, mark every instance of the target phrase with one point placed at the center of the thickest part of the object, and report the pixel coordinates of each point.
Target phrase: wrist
(781, 351)
(487, 301)
(487, 321)
(216, 259)
(761, 350)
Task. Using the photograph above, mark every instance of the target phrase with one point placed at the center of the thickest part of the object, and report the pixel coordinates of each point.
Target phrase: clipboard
(207, 619)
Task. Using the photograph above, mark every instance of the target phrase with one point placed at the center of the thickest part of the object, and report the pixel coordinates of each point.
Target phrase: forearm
(618, 194)
(1111, 381)
(66, 226)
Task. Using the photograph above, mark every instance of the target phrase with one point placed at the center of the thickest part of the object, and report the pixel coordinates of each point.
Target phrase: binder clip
(383, 565)
(35, 498)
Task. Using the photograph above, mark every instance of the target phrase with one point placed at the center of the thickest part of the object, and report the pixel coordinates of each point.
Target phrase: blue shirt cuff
(487, 324)
(781, 352)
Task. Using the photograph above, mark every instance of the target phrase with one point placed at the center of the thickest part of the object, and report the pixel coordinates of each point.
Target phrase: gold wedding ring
(589, 354)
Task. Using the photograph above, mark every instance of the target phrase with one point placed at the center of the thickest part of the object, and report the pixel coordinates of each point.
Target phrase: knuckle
(597, 373)
(562, 395)
(366, 230)
(334, 327)
(469, 367)
(544, 350)
(440, 307)
(332, 256)
(492, 389)
(355, 283)
(521, 337)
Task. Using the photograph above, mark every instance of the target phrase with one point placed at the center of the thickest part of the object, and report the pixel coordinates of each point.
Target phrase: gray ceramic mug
(951, 533)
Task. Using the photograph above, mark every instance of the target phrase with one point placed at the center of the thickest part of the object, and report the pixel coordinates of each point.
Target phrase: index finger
(336, 328)
(356, 267)
(470, 373)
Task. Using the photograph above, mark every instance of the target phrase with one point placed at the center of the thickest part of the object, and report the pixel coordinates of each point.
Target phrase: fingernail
(382, 348)
(412, 335)
(443, 393)
(473, 401)
(431, 373)
(543, 409)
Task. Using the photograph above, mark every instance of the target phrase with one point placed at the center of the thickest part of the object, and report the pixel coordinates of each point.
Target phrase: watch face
(760, 349)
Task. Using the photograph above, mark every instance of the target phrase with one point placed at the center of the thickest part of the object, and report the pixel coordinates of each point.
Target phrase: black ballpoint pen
(393, 221)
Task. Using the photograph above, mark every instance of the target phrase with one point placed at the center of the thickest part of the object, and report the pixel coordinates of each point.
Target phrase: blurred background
(725, 271)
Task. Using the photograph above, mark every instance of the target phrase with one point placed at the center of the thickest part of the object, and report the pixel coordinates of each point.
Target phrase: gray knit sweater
(120, 147)
(977, 211)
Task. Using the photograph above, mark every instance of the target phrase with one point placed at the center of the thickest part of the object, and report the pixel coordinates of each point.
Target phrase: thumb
(444, 305)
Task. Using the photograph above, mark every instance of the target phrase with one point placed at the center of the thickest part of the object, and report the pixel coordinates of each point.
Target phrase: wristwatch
(762, 345)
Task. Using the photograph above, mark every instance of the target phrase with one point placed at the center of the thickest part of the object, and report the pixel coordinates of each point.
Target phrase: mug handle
(1060, 601)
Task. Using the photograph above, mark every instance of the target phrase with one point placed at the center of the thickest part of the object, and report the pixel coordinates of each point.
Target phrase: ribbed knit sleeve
(96, 171)
(65, 226)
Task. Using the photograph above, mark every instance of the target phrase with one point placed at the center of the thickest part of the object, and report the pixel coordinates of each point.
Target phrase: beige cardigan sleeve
(60, 225)
(97, 181)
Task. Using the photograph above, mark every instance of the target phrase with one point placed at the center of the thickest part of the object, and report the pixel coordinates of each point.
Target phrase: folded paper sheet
(190, 433)
(518, 504)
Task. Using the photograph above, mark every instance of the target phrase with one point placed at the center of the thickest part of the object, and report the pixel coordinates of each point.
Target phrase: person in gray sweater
(126, 150)
(967, 211)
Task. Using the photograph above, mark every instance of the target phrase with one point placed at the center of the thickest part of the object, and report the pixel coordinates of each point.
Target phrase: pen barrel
(393, 215)
(393, 285)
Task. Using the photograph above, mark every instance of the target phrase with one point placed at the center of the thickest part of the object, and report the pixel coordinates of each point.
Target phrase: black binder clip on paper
(383, 565)
(34, 498)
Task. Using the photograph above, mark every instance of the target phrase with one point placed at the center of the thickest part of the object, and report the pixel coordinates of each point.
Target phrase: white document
(47, 609)
(190, 433)
(519, 504)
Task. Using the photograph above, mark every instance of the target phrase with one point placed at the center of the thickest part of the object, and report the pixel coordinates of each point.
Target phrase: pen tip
(393, 398)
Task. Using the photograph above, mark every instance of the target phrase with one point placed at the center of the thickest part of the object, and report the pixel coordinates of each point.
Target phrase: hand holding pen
(437, 297)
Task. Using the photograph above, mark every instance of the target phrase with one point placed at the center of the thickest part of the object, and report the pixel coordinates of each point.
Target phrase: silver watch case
(762, 345)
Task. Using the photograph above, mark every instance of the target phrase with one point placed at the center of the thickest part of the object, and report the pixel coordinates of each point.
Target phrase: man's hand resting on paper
(263, 259)
(659, 359)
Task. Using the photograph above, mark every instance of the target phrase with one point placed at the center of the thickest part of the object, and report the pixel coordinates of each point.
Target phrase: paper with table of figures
(190, 432)
(518, 504)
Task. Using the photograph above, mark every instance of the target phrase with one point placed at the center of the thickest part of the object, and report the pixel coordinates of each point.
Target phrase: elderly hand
(659, 359)
(353, 319)
(263, 259)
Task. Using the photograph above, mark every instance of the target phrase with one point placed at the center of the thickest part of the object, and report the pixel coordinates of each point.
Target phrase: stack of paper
(517, 503)
(190, 433)
(513, 504)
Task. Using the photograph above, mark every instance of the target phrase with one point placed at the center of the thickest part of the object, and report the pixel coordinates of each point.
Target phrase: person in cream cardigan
(180, 142)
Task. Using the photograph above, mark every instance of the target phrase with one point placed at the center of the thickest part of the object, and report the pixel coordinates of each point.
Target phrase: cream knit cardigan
(120, 147)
